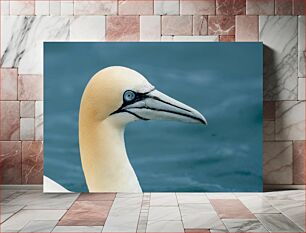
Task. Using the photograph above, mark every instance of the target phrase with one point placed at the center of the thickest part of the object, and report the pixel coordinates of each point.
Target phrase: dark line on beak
(173, 112)
(158, 99)
(134, 114)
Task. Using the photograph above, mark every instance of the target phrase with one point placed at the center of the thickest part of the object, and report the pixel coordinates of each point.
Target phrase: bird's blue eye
(129, 96)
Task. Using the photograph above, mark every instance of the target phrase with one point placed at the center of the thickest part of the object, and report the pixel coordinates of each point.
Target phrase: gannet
(112, 98)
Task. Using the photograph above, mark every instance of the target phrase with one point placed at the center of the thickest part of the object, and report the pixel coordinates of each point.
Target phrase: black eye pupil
(129, 95)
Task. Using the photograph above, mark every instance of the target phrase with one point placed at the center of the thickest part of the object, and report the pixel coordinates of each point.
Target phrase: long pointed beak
(159, 106)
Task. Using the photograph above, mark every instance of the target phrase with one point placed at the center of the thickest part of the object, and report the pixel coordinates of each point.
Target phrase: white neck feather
(104, 160)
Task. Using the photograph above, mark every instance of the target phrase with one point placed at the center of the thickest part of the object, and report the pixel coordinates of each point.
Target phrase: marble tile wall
(25, 24)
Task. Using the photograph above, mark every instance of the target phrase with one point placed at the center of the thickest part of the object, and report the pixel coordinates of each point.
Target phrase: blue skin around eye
(221, 80)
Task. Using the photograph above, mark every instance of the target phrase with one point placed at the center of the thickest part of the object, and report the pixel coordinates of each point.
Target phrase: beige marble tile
(27, 109)
(177, 25)
(20, 219)
(290, 120)
(107, 7)
(150, 28)
(8, 210)
(163, 199)
(166, 7)
(277, 223)
(301, 88)
(165, 226)
(269, 130)
(190, 198)
(27, 129)
(301, 46)
(135, 7)
(277, 162)
(190, 38)
(242, 225)
(39, 226)
(75, 229)
(161, 213)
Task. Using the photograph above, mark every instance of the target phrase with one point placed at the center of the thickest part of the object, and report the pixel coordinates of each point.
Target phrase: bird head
(124, 95)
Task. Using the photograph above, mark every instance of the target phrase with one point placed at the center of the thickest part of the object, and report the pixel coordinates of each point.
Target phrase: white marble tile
(39, 120)
(55, 8)
(22, 40)
(42, 7)
(279, 35)
(277, 162)
(26, 128)
(87, 28)
(221, 196)
(269, 130)
(150, 28)
(164, 7)
(294, 210)
(39, 226)
(75, 229)
(163, 199)
(5, 7)
(165, 226)
(161, 213)
(290, 120)
(301, 89)
(199, 198)
(129, 195)
(301, 46)
(242, 225)
(191, 38)
(258, 205)
(124, 214)
(20, 219)
(8, 210)
(67, 7)
(277, 223)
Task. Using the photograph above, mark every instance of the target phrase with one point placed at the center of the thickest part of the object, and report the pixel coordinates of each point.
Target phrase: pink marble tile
(22, 7)
(30, 87)
(27, 108)
(260, 7)
(227, 38)
(269, 110)
(200, 25)
(283, 7)
(230, 7)
(105, 7)
(97, 197)
(9, 120)
(8, 84)
(196, 7)
(10, 162)
(122, 28)
(299, 162)
(231, 209)
(221, 25)
(247, 28)
(176, 25)
(135, 7)
(32, 162)
(298, 7)
(86, 213)
(39, 121)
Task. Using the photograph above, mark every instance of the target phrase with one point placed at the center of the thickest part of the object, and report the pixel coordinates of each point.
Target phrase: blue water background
(221, 80)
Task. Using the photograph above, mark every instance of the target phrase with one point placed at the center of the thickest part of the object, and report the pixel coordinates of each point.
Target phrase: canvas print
(152, 117)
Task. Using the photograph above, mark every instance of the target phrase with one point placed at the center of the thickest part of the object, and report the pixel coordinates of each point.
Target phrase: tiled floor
(33, 211)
